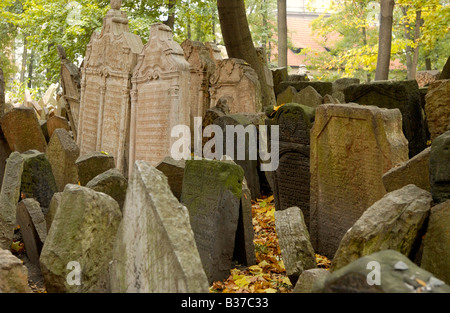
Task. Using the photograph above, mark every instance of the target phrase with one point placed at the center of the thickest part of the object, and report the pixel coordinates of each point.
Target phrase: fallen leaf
(270, 290)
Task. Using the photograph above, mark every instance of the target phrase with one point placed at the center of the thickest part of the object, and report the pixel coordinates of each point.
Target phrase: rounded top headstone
(116, 4)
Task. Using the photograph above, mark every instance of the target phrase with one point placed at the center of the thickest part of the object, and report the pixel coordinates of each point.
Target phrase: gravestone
(236, 79)
(5, 151)
(323, 88)
(437, 242)
(13, 274)
(352, 146)
(155, 250)
(437, 107)
(279, 75)
(214, 51)
(53, 207)
(160, 97)
(402, 95)
(286, 96)
(174, 171)
(71, 86)
(22, 130)
(402, 212)
(414, 171)
(248, 158)
(83, 231)
(308, 96)
(37, 178)
(340, 84)
(92, 164)
(104, 116)
(62, 153)
(309, 278)
(113, 183)
(9, 197)
(33, 227)
(440, 168)
(56, 122)
(212, 191)
(290, 182)
(201, 67)
(296, 249)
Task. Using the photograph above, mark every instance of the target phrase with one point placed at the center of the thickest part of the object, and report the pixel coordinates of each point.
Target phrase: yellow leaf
(270, 199)
(242, 282)
(263, 264)
(262, 204)
(286, 281)
(421, 282)
(270, 290)
(255, 269)
(15, 246)
(105, 153)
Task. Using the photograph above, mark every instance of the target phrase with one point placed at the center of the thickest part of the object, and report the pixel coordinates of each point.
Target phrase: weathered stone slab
(402, 95)
(52, 208)
(212, 191)
(155, 249)
(62, 153)
(414, 171)
(436, 246)
(323, 88)
(9, 197)
(160, 97)
(286, 96)
(309, 278)
(296, 249)
(340, 84)
(174, 171)
(13, 274)
(396, 273)
(425, 78)
(236, 79)
(33, 227)
(308, 96)
(104, 117)
(113, 183)
(37, 178)
(83, 231)
(394, 222)
(22, 130)
(92, 164)
(440, 168)
(352, 146)
(56, 122)
(279, 75)
(5, 151)
(291, 180)
(437, 107)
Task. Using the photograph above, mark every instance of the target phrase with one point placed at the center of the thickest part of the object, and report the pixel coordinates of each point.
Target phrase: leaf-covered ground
(269, 274)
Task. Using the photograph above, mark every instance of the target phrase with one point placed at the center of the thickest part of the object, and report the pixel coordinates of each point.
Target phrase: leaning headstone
(437, 107)
(352, 146)
(155, 250)
(113, 183)
(81, 239)
(33, 227)
(445, 73)
(308, 96)
(436, 246)
(323, 88)
(201, 68)
(92, 164)
(440, 168)
(62, 153)
(22, 130)
(402, 212)
(104, 116)
(9, 197)
(291, 180)
(5, 151)
(296, 249)
(56, 122)
(236, 79)
(13, 274)
(37, 178)
(212, 191)
(387, 271)
(414, 171)
(174, 171)
(286, 96)
(402, 95)
(279, 75)
(53, 207)
(160, 97)
(309, 278)
(245, 147)
(340, 84)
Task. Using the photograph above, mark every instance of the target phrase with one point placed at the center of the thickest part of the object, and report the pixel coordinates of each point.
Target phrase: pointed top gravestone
(104, 116)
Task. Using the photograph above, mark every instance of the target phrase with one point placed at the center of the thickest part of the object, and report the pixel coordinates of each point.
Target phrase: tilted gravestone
(402, 95)
(290, 181)
(22, 130)
(104, 117)
(323, 88)
(13, 274)
(236, 79)
(440, 168)
(212, 191)
(56, 122)
(155, 250)
(174, 171)
(352, 146)
(113, 183)
(437, 107)
(308, 96)
(160, 97)
(93, 164)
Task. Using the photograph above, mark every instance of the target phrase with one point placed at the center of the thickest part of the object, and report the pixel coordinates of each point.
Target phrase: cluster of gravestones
(103, 208)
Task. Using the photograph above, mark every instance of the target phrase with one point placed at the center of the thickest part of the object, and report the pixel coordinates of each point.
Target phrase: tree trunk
(239, 44)
(171, 17)
(282, 33)
(24, 59)
(385, 39)
(412, 52)
(30, 70)
(415, 58)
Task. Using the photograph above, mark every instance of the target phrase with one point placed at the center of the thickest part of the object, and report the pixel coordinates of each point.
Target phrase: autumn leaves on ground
(269, 274)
